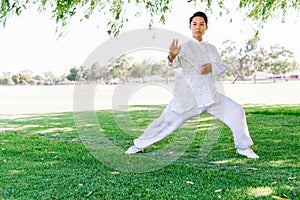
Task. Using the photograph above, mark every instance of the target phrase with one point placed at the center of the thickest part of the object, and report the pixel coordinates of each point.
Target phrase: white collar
(197, 41)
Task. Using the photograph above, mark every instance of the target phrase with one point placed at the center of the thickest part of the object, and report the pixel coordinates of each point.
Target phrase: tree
(94, 73)
(120, 67)
(137, 71)
(279, 61)
(230, 56)
(7, 79)
(73, 74)
(103, 74)
(118, 14)
(21, 78)
(247, 60)
(241, 61)
(49, 78)
(38, 79)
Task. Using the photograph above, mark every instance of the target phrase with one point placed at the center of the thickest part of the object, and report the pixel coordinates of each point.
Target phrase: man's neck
(199, 39)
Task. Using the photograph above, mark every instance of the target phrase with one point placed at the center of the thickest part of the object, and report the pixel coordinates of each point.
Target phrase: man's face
(198, 27)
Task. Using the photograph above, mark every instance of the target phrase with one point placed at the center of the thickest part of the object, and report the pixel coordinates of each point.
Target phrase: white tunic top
(192, 89)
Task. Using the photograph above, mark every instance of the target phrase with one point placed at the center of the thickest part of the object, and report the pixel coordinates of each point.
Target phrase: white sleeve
(218, 67)
(173, 64)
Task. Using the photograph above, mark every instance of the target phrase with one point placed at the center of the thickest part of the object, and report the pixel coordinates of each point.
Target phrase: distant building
(260, 75)
(293, 75)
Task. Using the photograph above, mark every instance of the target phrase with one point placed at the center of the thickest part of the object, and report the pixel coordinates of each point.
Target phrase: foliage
(120, 67)
(279, 60)
(21, 79)
(73, 74)
(152, 67)
(244, 61)
(118, 11)
(6, 79)
(240, 61)
(42, 157)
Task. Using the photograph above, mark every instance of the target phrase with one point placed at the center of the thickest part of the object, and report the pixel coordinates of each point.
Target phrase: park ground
(47, 99)
(43, 154)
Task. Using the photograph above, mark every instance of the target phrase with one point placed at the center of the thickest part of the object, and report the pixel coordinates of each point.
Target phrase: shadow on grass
(42, 157)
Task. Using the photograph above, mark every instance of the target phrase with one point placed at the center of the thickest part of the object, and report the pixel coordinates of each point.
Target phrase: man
(195, 92)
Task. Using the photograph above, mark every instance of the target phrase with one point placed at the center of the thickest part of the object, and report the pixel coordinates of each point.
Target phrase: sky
(30, 42)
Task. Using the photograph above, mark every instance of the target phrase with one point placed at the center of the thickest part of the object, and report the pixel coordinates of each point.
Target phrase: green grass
(43, 157)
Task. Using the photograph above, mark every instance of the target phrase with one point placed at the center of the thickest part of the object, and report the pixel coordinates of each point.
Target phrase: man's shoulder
(209, 45)
(188, 44)
(193, 42)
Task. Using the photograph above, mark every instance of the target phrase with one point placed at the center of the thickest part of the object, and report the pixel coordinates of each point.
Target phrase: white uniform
(194, 94)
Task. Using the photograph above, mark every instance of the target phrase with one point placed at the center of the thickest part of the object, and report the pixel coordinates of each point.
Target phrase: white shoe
(249, 153)
(133, 150)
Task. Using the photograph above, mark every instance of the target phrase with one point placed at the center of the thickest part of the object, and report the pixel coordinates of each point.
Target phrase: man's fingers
(176, 42)
(173, 43)
(174, 48)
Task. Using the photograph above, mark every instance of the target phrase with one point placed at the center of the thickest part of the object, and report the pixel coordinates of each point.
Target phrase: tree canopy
(248, 59)
(115, 10)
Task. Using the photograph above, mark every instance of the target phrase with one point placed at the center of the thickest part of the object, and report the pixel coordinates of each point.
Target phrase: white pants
(226, 110)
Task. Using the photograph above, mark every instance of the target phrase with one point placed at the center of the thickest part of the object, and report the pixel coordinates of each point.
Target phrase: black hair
(199, 14)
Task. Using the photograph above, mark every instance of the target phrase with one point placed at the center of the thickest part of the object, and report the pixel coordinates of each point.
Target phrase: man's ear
(190, 26)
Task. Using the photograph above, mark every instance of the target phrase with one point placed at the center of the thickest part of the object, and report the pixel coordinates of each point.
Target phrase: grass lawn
(43, 157)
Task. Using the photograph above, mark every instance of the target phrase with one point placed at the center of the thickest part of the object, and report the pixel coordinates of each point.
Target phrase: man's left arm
(218, 67)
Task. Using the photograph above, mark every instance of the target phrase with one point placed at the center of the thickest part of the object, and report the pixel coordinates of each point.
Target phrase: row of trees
(242, 62)
(27, 77)
(124, 69)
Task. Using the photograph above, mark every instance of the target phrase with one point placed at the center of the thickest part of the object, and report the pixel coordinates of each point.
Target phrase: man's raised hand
(174, 50)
